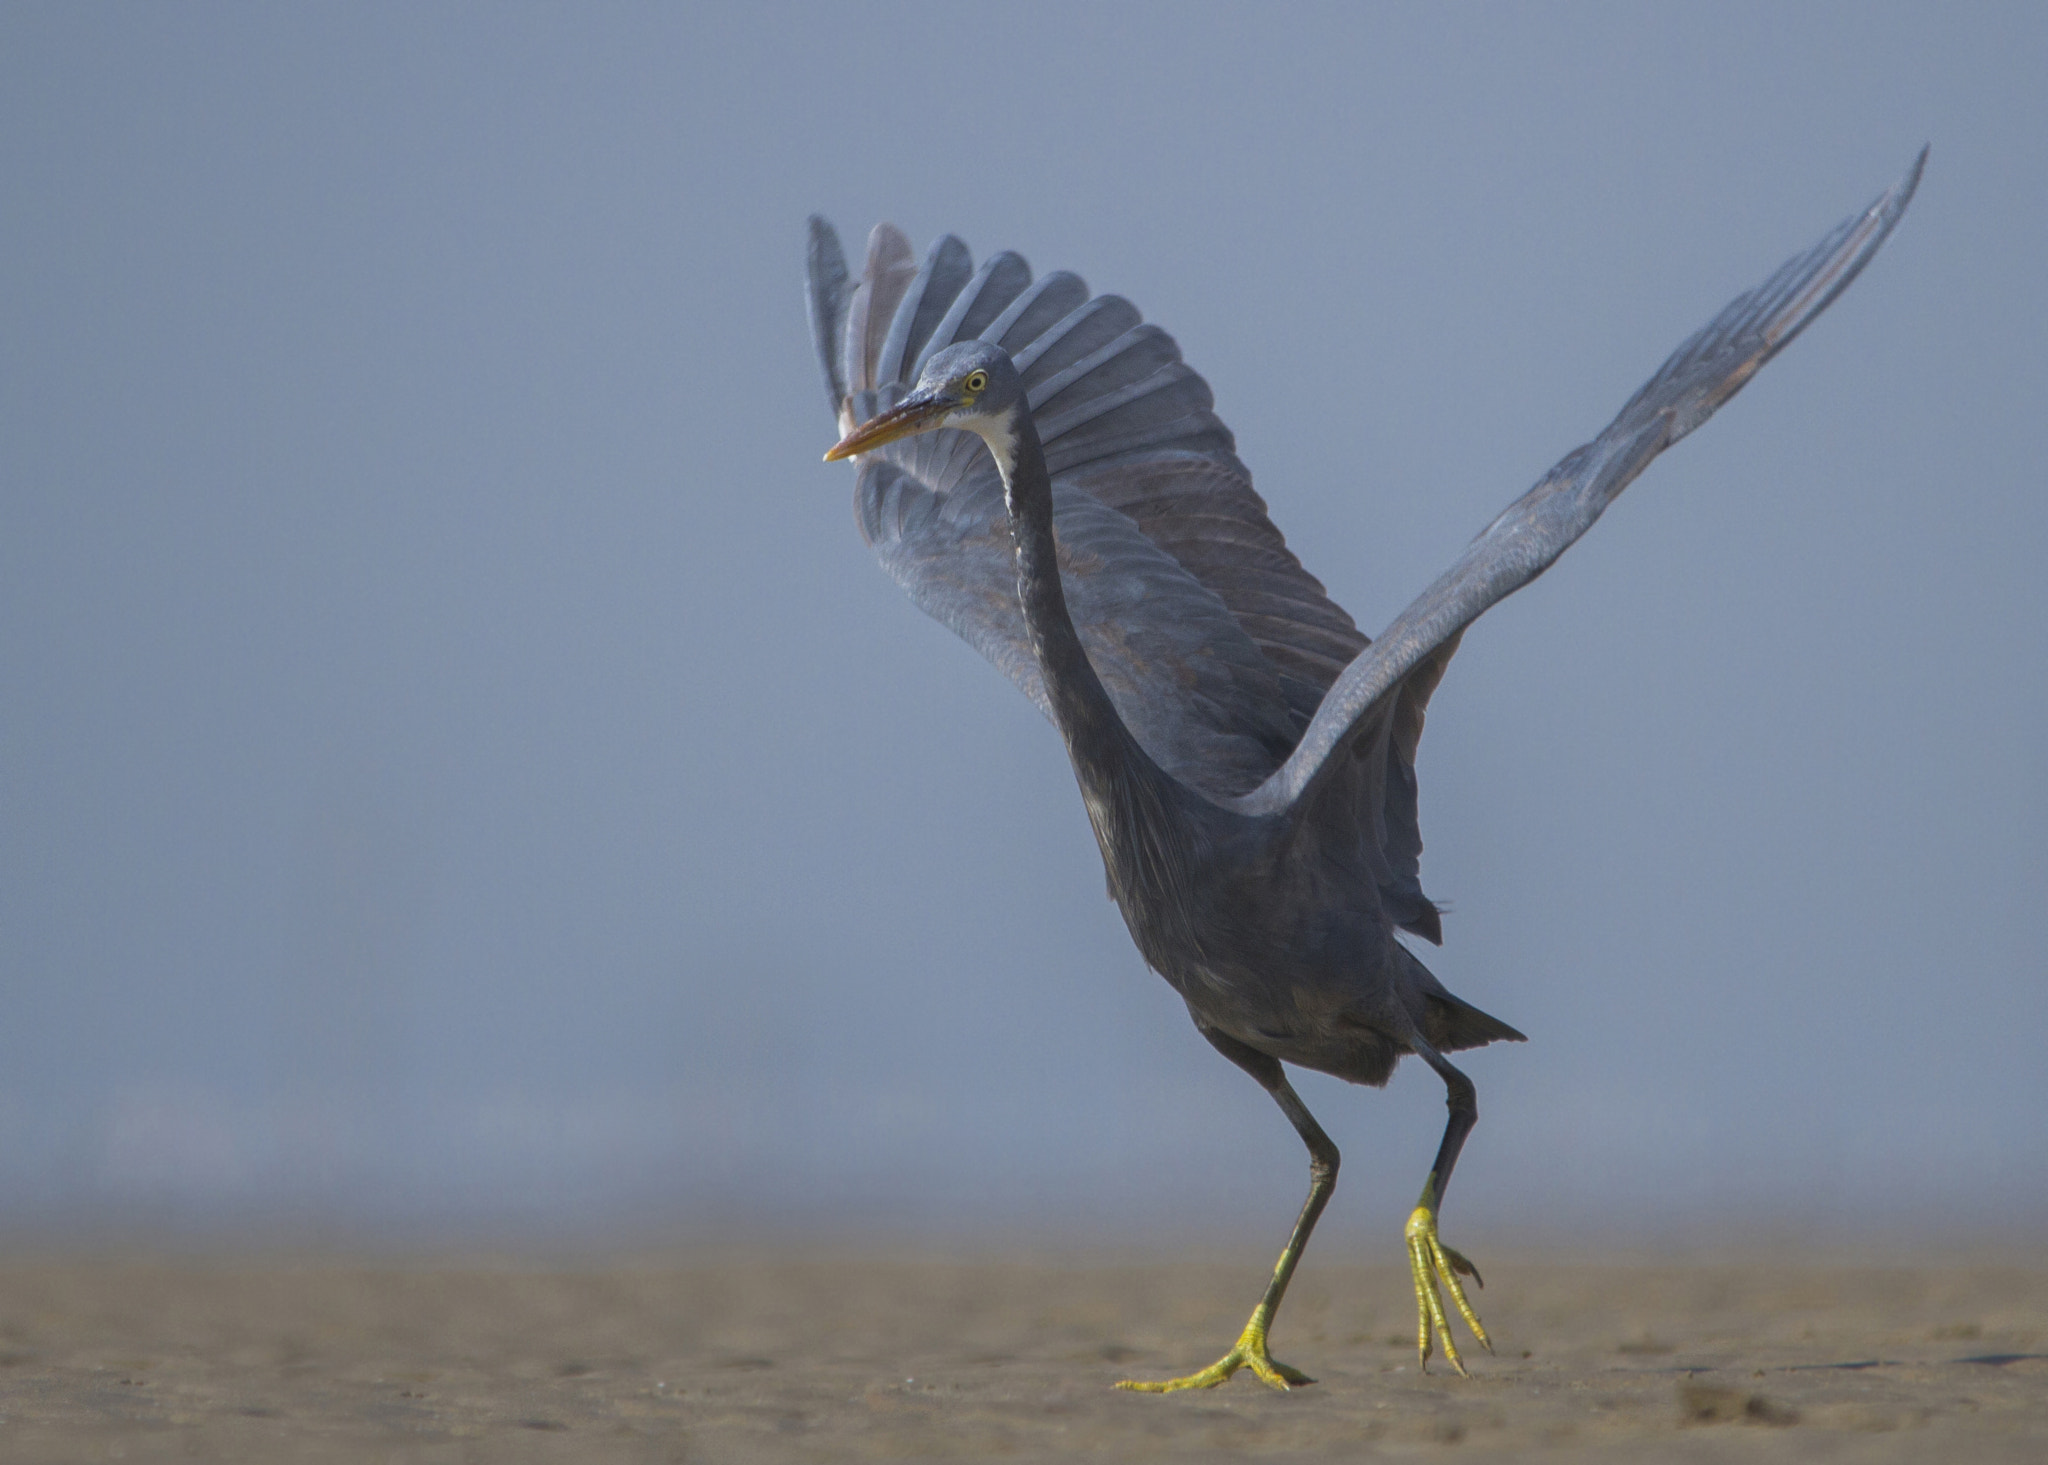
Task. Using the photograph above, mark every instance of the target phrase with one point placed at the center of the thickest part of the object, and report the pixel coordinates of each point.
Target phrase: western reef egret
(1043, 474)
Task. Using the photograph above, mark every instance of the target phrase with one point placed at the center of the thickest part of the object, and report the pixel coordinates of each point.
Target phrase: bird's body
(1056, 489)
(1270, 927)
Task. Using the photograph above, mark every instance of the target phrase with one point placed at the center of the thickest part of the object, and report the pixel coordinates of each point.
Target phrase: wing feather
(883, 281)
(825, 271)
(947, 267)
(1084, 330)
(1704, 372)
(1188, 683)
(1000, 280)
(1035, 310)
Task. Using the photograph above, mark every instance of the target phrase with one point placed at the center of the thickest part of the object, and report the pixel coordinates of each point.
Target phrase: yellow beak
(919, 414)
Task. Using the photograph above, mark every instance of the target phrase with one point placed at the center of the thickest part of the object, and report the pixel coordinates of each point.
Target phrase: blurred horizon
(463, 774)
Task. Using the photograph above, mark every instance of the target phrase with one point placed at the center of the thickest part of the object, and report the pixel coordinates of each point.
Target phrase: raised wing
(1187, 681)
(1538, 527)
(1215, 643)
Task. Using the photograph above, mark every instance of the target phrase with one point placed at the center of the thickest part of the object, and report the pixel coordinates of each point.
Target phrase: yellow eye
(977, 381)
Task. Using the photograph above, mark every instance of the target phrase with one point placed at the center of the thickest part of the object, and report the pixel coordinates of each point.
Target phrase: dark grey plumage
(1246, 757)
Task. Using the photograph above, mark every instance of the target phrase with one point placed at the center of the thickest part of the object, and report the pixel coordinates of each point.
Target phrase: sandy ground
(802, 1354)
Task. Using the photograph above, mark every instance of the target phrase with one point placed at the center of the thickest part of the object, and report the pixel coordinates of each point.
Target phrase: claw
(1249, 1352)
(1434, 1264)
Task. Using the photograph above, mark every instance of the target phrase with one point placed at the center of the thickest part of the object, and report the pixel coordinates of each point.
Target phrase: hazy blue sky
(460, 766)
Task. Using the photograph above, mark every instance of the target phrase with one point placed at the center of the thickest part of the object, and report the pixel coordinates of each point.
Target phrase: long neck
(1139, 811)
(1103, 751)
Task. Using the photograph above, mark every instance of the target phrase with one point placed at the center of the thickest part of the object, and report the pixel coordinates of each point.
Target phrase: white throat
(1000, 433)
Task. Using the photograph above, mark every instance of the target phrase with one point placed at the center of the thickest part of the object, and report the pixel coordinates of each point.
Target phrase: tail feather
(1454, 1024)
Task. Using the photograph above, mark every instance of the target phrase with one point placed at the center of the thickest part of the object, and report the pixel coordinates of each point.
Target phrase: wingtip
(822, 247)
(825, 297)
(1901, 193)
(1912, 179)
(888, 246)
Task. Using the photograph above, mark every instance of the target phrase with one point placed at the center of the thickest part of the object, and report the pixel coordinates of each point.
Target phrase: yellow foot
(1433, 1262)
(1250, 1353)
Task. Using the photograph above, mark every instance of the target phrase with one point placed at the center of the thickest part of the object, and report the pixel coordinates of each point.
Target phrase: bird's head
(972, 385)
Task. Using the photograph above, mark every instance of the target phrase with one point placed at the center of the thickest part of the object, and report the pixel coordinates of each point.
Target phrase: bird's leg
(1250, 1350)
(1429, 1259)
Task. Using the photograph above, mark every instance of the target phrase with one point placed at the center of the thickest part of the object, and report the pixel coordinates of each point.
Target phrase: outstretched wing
(1538, 527)
(1214, 642)
(1188, 683)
